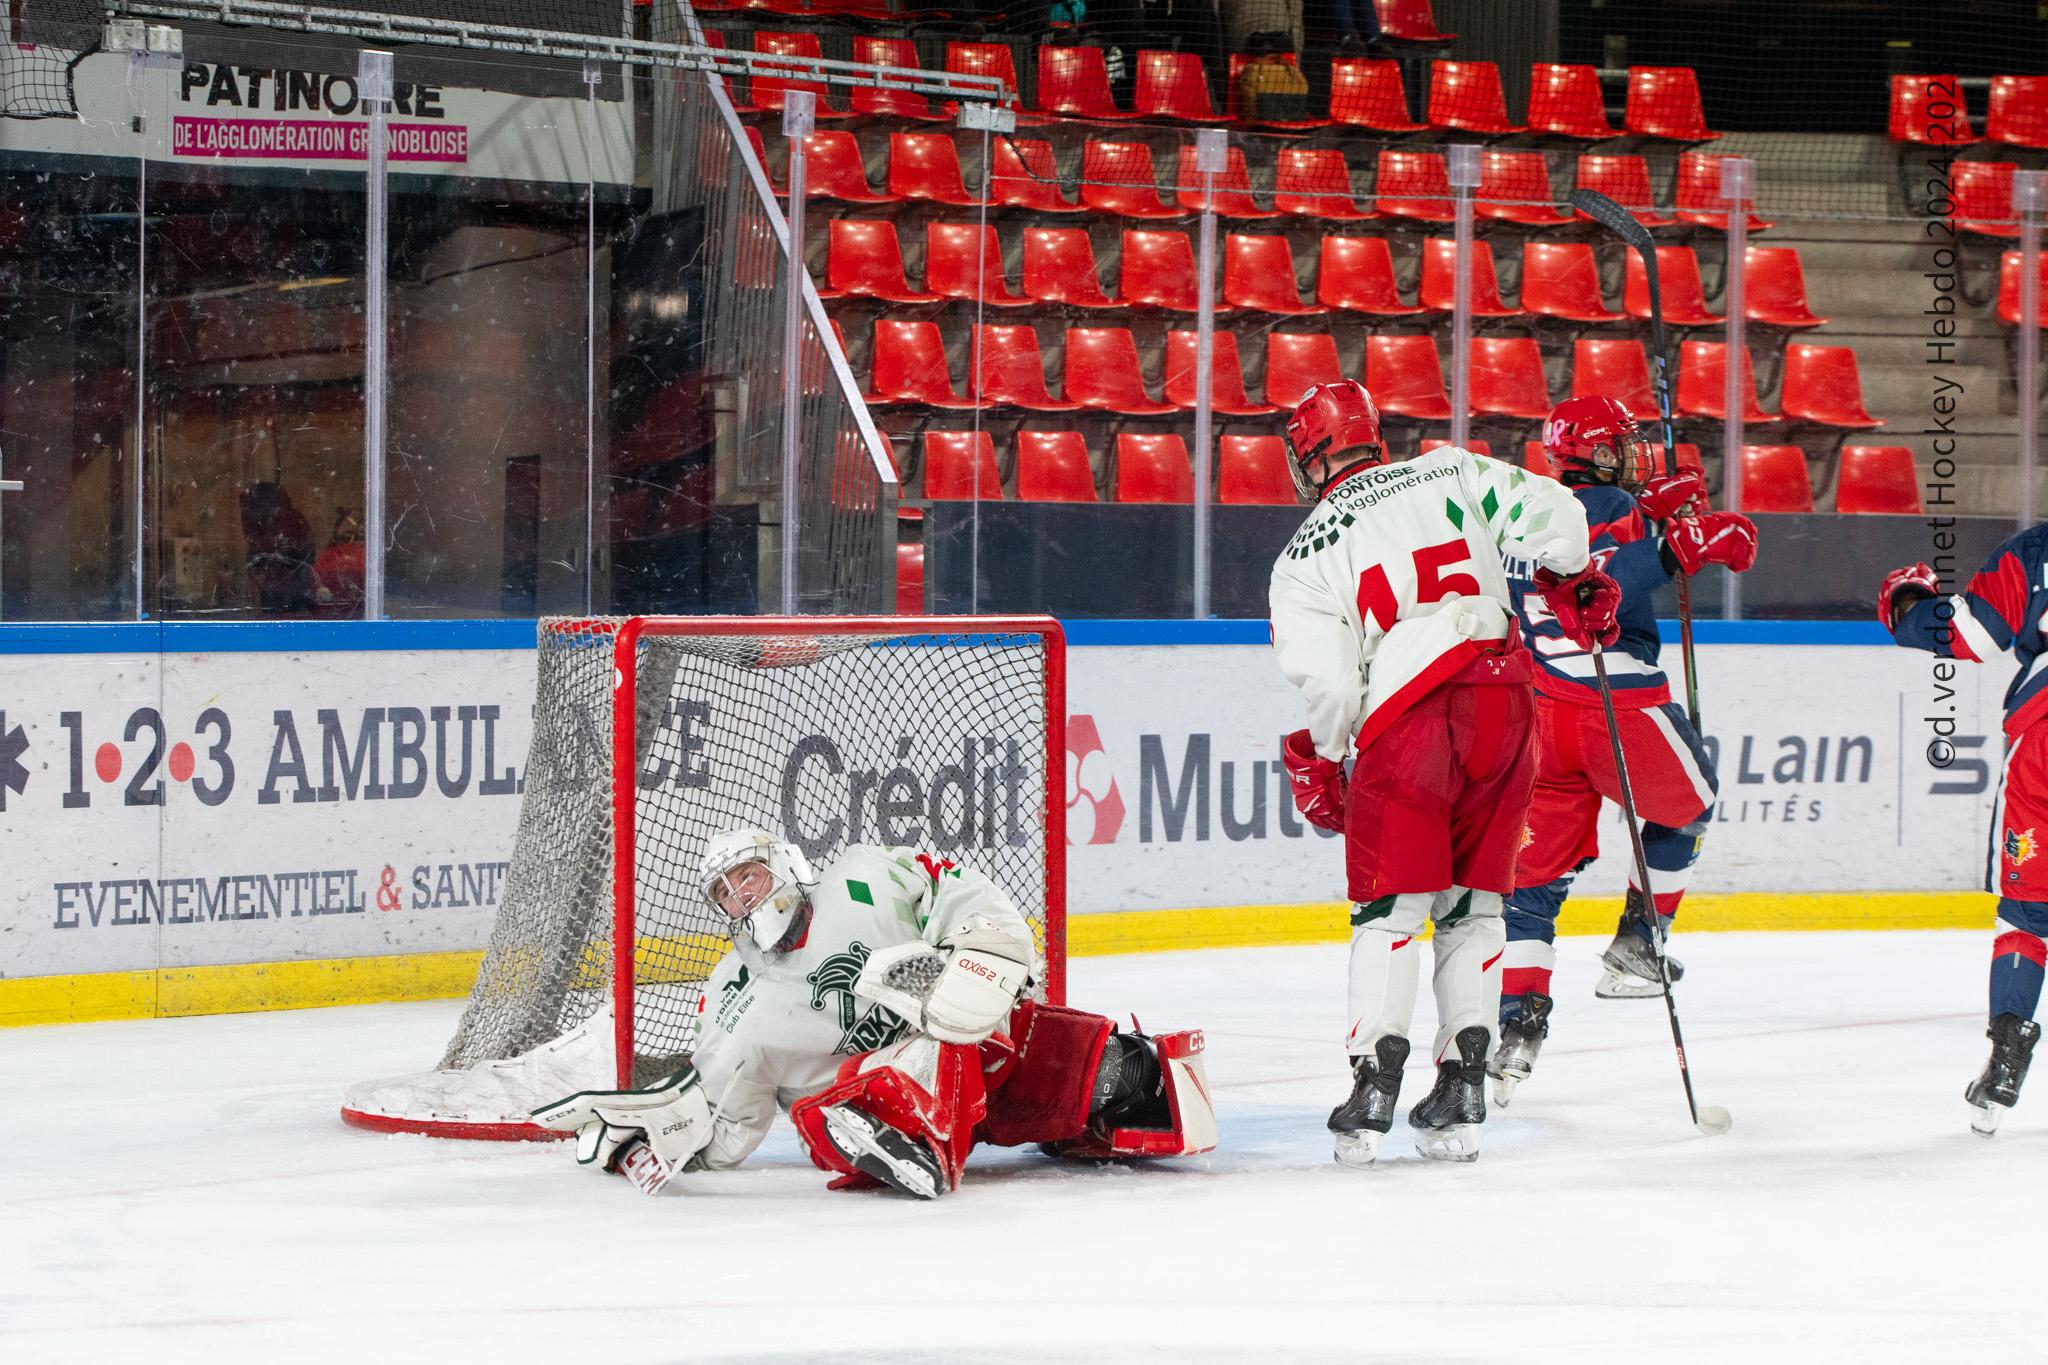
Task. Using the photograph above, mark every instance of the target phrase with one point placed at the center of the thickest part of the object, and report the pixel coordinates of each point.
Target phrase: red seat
(1226, 375)
(765, 92)
(910, 578)
(1174, 85)
(965, 261)
(1929, 109)
(873, 101)
(1617, 369)
(1153, 469)
(1298, 361)
(761, 155)
(1562, 280)
(984, 59)
(1074, 80)
(1409, 21)
(1678, 282)
(1233, 106)
(1625, 180)
(1983, 198)
(1565, 101)
(960, 465)
(1357, 275)
(1507, 378)
(1405, 377)
(1158, 271)
(1119, 177)
(1009, 369)
(1699, 194)
(1466, 96)
(1233, 186)
(1878, 480)
(1024, 177)
(864, 259)
(909, 366)
(1314, 182)
(1414, 185)
(1258, 273)
(1774, 479)
(1702, 375)
(1822, 385)
(1664, 101)
(1515, 187)
(2018, 113)
(1059, 267)
(1102, 372)
(1472, 444)
(833, 169)
(1053, 466)
(1536, 459)
(1369, 94)
(2009, 290)
(1252, 471)
(926, 167)
(1774, 288)
(1440, 281)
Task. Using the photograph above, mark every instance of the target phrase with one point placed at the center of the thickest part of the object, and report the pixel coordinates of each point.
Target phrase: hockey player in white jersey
(1391, 613)
(878, 1003)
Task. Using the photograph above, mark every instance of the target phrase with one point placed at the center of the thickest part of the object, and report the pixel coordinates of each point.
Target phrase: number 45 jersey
(1397, 578)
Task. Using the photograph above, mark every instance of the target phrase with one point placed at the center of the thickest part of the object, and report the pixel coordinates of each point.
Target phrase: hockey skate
(1447, 1121)
(1630, 961)
(1362, 1120)
(1521, 1038)
(896, 1159)
(1998, 1089)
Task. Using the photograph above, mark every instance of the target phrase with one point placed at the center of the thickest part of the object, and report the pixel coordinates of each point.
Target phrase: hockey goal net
(650, 735)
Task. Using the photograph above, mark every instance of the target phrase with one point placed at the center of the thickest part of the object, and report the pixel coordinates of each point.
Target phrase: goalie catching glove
(646, 1135)
(959, 992)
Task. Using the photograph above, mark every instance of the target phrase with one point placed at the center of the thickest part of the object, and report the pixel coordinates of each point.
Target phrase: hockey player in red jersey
(2001, 611)
(1391, 613)
(1643, 529)
(878, 1002)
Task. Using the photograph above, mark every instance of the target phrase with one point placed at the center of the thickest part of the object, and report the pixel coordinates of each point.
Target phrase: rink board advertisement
(257, 804)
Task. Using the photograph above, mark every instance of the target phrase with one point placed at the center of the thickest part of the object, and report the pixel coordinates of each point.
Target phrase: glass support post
(799, 112)
(1738, 189)
(1212, 150)
(2029, 202)
(1463, 166)
(373, 86)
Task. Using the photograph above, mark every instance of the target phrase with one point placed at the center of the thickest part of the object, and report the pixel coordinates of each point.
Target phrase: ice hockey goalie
(880, 1001)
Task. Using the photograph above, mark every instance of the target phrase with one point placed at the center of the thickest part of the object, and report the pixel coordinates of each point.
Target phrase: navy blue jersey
(1626, 547)
(2000, 611)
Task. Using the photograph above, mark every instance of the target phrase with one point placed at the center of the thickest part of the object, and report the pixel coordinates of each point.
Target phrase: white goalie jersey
(776, 1027)
(1396, 576)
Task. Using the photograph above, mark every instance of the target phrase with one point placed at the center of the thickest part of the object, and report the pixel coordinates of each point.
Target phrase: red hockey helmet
(1594, 440)
(1332, 420)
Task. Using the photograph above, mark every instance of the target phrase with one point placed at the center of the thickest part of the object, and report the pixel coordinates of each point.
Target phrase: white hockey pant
(1386, 962)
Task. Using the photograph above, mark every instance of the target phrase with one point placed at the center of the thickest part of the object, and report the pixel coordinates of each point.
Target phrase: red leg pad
(1040, 1093)
(1192, 1114)
(931, 1090)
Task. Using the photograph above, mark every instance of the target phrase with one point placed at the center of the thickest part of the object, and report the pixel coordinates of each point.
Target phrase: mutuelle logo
(1095, 809)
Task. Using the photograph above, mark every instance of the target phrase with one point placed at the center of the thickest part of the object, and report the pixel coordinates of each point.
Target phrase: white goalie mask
(790, 874)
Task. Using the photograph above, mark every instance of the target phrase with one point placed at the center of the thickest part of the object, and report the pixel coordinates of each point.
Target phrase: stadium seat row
(1404, 22)
(1930, 110)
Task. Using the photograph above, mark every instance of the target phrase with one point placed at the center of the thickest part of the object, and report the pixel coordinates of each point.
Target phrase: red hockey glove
(1902, 588)
(1586, 605)
(1712, 538)
(1318, 782)
(1673, 495)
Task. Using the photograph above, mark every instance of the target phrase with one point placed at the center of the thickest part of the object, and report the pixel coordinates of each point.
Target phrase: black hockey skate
(1631, 960)
(1362, 1120)
(1521, 1038)
(1998, 1089)
(1447, 1121)
(896, 1159)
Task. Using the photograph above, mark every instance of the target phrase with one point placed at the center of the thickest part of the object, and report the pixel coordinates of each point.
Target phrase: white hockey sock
(1385, 969)
(1470, 938)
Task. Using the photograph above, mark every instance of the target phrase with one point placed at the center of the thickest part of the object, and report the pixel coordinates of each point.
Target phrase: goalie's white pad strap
(974, 996)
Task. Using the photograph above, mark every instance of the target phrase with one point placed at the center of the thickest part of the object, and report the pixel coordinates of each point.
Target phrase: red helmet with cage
(1332, 420)
(1594, 440)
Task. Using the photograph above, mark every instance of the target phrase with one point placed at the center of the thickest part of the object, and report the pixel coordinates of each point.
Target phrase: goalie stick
(1709, 1119)
(1623, 224)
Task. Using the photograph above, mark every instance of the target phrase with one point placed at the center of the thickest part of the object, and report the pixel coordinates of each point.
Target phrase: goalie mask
(1336, 420)
(1594, 440)
(767, 901)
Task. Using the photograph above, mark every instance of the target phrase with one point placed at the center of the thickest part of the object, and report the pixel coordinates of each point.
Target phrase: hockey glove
(959, 992)
(1673, 495)
(1586, 605)
(1318, 782)
(646, 1135)
(1904, 587)
(1726, 538)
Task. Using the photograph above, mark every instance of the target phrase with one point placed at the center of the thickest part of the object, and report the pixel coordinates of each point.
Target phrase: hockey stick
(1623, 224)
(1712, 1119)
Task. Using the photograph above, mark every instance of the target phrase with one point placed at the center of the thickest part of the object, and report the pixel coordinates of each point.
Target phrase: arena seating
(1514, 187)
(867, 101)
(1369, 94)
(1910, 120)
(1053, 466)
(1702, 373)
(1227, 396)
(1562, 280)
(2018, 111)
(1983, 197)
(1822, 386)
(1253, 470)
(1233, 186)
(1439, 279)
(1878, 480)
(1774, 291)
(1119, 178)
(1466, 97)
(1314, 183)
(1356, 274)
(1406, 378)
(1023, 176)
(1616, 368)
(1008, 369)
(1625, 180)
(1153, 468)
(1059, 267)
(965, 261)
(1774, 479)
(1298, 361)
(926, 167)
(1102, 372)
(1683, 298)
(1075, 81)
(1258, 274)
(1565, 101)
(1410, 21)
(1507, 379)
(1158, 271)
(960, 464)
(864, 259)
(1664, 102)
(2009, 290)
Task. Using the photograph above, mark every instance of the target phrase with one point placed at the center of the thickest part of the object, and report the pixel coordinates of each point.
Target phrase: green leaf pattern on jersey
(860, 1031)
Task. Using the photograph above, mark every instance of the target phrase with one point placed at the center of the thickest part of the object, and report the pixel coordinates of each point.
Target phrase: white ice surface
(183, 1190)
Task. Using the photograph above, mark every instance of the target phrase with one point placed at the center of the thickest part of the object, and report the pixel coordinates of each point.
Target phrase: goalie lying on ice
(880, 1003)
